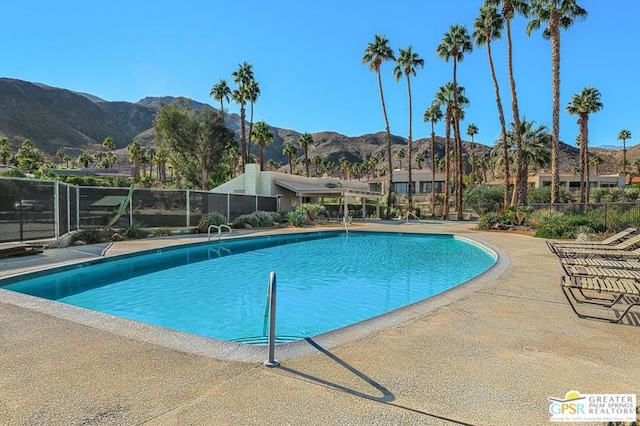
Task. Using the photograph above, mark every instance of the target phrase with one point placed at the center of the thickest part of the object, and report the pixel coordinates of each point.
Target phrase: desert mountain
(54, 118)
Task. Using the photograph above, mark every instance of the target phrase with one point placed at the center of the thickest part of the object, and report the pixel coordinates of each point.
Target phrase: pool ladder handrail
(270, 313)
(344, 225)
(219, 228)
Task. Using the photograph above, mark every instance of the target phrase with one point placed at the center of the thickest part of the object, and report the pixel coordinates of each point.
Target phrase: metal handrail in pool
(219, 228)
(271, 306)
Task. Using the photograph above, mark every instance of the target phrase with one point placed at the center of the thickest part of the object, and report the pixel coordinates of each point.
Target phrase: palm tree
(234, 158)
(454, 45)
(433, 114)
(316, 161)
(162, 157)
(67, 159)
(595, 161)
(375, 54)
(488, 27)
(263, 136)
(509, 9)
(623, 136)
(5, 150)
(221, 92)
(242, 77)
(574, 170)
(271, 164)
(419, 159)
(445, 97)
(110, 145)
(59, 153)
(536, 142)
(84, 159)
(254, 93)
(290, 151)
(400, 154)
(135, 155)
(344, 166)
(406, 65)
(472, 130)
(557, 14)
(150, 153)
(582, 104)
(304, 141)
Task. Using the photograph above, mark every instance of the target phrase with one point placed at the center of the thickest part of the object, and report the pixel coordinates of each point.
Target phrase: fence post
(56, 209)
(77, 207)
(188, 206)
(229, 208)
(605, 216)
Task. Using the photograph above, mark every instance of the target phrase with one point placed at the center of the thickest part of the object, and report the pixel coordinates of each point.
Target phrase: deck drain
(529, 349)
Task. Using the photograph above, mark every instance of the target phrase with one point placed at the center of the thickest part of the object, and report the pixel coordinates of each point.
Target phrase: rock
(79, 243)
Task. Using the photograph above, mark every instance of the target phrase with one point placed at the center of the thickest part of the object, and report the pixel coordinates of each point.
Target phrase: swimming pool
(326, 280)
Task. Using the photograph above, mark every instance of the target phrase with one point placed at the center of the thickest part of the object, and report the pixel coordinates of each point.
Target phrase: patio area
(491, 357)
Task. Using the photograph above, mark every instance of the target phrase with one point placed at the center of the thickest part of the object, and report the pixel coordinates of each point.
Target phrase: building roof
(317, 188)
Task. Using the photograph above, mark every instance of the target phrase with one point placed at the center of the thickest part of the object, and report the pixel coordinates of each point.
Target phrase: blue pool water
(326, 280)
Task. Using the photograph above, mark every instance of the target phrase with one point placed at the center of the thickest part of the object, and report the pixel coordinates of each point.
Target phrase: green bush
(296, 219)
(258, 219)
(246, 219)
(568, 226)
(543, 195)
(488, 220)
(160, 232)
(209, 219)
(310, 210)
(482, 198)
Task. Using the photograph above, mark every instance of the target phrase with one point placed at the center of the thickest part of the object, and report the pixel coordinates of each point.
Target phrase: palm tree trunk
(250, 131)
(433, 167)
(389, 158)
(243, 138)
(555, 141)
(582, 170)
(503, 126)
(456, 130)
(521, 180)
(261, 154)
(585, 141)
(409, 147)
(447, 166)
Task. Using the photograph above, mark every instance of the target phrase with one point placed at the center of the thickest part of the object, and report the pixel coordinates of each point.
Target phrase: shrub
(164, 231)
(91, 235)
(135, 231)
(566, 226)
(310, 210)
(482, 198)
(543, 195)
(209, 219)
(488, 220)
(296, 218)
(246, 219)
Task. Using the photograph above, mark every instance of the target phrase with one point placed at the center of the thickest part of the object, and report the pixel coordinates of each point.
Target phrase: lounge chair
(614, 291)
(614, 239)
(601, 263)
(592, 271)
(619, 251)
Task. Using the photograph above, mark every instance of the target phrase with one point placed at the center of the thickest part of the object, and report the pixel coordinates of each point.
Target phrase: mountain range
(55, 118)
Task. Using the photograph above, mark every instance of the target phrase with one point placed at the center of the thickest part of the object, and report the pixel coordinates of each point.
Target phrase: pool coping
(232, 351)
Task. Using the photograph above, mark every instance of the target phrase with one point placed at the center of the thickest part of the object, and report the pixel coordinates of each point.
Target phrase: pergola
(317, 190)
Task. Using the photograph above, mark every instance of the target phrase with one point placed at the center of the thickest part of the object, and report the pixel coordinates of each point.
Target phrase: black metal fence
(45, 209)
(613, 215)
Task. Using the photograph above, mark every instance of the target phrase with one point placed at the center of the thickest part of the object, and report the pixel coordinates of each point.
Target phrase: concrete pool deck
(491, 357)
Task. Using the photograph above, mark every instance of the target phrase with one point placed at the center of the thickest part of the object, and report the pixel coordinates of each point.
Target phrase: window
(401, 188)
(425, 187)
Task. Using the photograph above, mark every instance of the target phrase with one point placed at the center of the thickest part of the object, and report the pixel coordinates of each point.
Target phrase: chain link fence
(33, 209)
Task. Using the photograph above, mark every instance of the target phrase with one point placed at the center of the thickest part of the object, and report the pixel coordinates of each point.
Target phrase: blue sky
(307, 58)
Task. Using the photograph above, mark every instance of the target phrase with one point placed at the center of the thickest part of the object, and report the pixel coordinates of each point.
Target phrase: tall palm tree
(623, 136)
(253, 89)
(242, 77)
(305, 141)
(263, 136)
(291, 152)
(509, 10)
(59, 152)
(433, 114)
(406, 65)
(375, 54)
(588, 101)
(419, 159)
(446, 97)
(488, 27)
(5, 150)
(557, 14)
(150, 153)
(472, 131)
(454, 45)
(221, 92)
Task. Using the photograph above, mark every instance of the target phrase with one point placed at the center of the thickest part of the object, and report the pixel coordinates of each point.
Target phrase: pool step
(263, 340)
